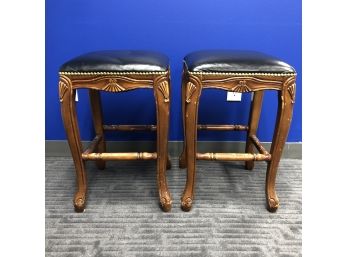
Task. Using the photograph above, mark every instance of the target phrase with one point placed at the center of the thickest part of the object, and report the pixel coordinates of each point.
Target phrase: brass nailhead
(112, 73)
(243, 74)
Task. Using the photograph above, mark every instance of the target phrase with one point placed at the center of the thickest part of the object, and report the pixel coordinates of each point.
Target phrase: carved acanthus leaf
(164, 88)
(63, 87)
(190, 88)
(241, 87)
(113, 86)
(291, 90)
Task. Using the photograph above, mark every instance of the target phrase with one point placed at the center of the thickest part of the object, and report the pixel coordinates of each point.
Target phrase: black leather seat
(118, 61)
(234, 61)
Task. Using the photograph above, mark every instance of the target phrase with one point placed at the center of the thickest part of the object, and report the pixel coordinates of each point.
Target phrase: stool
(236, 71)
(115, 71)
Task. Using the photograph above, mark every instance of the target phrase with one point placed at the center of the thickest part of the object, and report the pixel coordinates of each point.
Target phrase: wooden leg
(254, 117)
(286, 99)
(169, 163)
(68, 110)
(162, 95)
(182, 159)
(192, 94)
(97, 113)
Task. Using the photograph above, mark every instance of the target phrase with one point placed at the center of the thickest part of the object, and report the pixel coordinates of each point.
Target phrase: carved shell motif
(63, 87)
(241, 87)
(190, 88)
(113, 86)
(291, 90)
(164, 88)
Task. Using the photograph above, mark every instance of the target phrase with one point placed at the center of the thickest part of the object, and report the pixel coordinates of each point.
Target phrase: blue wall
(176, 27)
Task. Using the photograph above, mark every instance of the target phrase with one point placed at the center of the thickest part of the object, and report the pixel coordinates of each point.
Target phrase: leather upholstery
(118, 61)
(235, 61)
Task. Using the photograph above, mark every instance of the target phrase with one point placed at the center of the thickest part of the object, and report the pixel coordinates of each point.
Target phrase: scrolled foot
(249, 165)
(272, 204)
(186, 204)
(80, 202)
(79, 205)
(166, 204)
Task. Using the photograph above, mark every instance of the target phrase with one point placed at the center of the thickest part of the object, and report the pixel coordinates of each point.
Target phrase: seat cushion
(117, 61)
(235, 61)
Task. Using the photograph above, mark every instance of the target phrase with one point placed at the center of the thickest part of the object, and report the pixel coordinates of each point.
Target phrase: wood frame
(192, 85)
(114, 82)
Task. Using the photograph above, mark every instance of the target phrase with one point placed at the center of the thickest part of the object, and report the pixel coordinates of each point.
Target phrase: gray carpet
(122, 217)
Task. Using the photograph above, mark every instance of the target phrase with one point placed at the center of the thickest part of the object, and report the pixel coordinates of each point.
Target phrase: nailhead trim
(113, 73)
(243, 74)
(164, 72)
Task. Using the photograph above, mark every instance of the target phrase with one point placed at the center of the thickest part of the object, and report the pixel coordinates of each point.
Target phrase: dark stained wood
(113, 83)
(169, 163)
(159, 82)
(193, 90)
(223, 127)
(162, 92)
(193, 83)
(130, 127)
(93, 145)
(182, 158)
(119, 156)
(258, 145)
(232, 156)
(97, 115)
(254, 117)
(286, 100)
(68, 110)
(242, 84)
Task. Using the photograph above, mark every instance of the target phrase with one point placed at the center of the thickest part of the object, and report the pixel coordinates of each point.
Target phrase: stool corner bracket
(193, 83)
(164, 88)
(290, 85)
(190, 88)
(161, 83)
(64, 85)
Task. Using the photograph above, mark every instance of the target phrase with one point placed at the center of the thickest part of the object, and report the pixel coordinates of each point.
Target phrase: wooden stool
(237, 71)
(115, 71)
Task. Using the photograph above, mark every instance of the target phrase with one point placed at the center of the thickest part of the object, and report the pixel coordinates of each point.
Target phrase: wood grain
(193, 83)
(115, 83)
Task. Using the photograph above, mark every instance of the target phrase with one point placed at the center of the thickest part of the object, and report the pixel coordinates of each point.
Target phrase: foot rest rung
(233, 157)
(119, 156)
(129, 127)
(222, 127)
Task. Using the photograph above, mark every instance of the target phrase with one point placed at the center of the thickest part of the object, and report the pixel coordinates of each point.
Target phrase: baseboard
(61, 148)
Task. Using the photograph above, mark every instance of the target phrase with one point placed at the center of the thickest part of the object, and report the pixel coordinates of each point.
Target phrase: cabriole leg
(68, 110)
(286, 99)
(182, 159)
(192, 94)
(162, 96)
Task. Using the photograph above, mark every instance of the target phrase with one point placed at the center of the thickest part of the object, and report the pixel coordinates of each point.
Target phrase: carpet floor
(123, 218)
